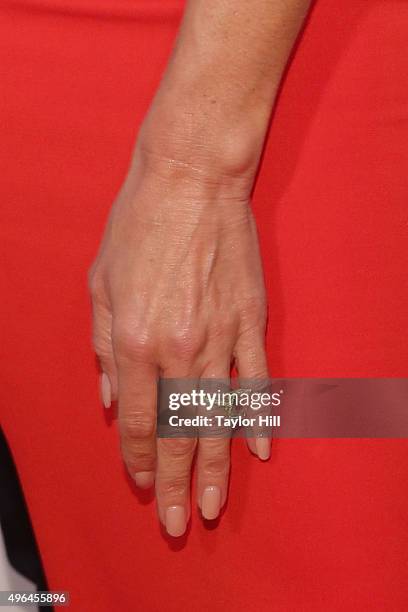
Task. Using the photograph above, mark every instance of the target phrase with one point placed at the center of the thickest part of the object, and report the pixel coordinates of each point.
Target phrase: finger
(137, 402)
(213, 457)
(137, 420)
(175, 455)
(251, 363)
(102, 342)
(173, 477)
(213, 468)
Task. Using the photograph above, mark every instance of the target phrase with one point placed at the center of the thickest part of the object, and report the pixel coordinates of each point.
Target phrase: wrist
(199, 142)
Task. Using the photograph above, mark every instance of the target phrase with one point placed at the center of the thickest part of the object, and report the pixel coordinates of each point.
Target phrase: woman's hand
(177, 286)
(177, 291)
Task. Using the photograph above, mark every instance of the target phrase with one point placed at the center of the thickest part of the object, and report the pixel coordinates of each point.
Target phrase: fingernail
(211, 503)
(144, 480)
(263, 448)
(175, 521)
(106, 392)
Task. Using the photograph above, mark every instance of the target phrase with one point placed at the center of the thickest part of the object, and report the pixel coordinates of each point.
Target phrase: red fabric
(323, 525)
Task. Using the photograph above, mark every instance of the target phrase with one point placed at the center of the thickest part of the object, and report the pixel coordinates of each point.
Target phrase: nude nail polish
(144, 480)
(211, 503)
(263, 448)
(175, 521)
(106, 391)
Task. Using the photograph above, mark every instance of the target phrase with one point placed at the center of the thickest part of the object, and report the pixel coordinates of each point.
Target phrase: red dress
(324, 524)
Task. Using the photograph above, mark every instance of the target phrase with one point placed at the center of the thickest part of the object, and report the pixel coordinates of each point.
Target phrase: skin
(177, 286)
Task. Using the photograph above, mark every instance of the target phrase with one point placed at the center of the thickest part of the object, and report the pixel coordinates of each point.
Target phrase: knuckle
(179, 447)
(259, 372)
(216, 459)
(137, 459)
(101, 342)
(223, 329)
(215, 466)
(101, 349)
(101, 339)
(174, 486)
(254, 309)
(185, 344)
(130, 342)
(137, 427)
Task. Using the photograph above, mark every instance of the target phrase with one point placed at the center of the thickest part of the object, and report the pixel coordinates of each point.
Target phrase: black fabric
(21, 547)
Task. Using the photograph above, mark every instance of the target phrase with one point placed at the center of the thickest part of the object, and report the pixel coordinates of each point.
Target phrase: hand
(177, 291)
(177, 286)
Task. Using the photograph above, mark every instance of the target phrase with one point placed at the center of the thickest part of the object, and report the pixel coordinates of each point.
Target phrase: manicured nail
(144, 480)
(106, 391)
(175, 521)
(211, 503)
(263, 448)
